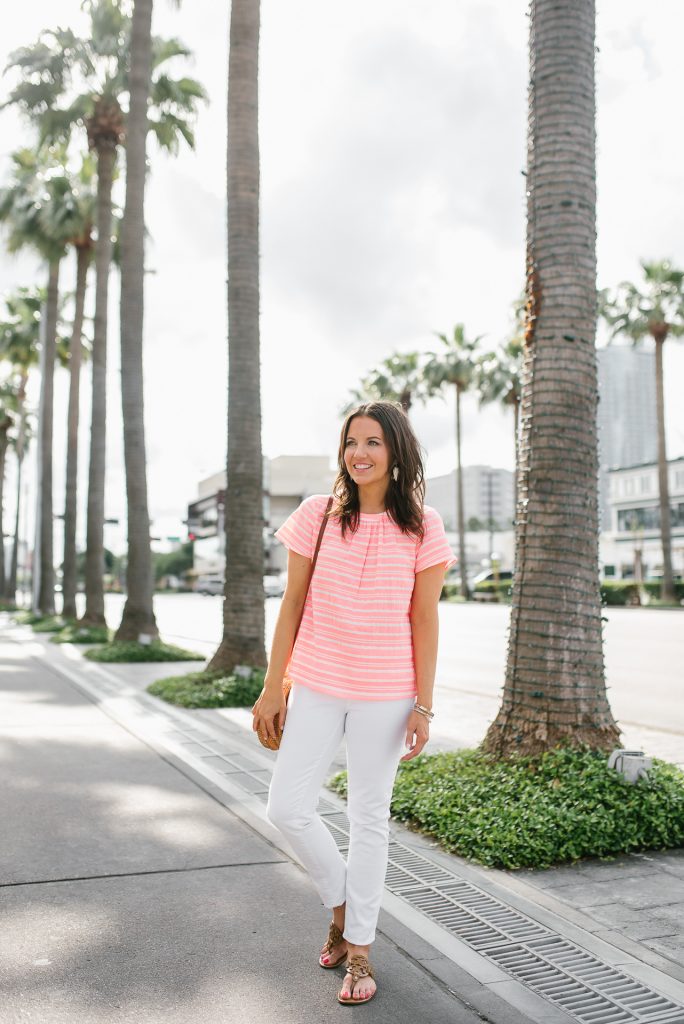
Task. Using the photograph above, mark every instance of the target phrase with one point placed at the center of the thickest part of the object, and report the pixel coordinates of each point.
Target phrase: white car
(273, 586)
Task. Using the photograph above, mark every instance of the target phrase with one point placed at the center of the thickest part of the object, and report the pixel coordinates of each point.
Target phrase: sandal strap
(335, 937)
(359, 967)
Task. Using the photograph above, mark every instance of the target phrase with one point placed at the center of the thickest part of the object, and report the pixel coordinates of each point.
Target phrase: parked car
(210, 583)
(274, 586)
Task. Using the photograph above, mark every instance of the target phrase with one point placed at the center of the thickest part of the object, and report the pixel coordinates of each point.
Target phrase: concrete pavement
(129, 893)
(137, 883)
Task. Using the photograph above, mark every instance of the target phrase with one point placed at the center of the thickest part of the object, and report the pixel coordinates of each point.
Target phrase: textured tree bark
(555, 692)
(667, 591)
(243, 606)
(11, 585)
(45, 604)
(138, 614)
(465, 590)
(71, 495)
(5, 424)
(94, 570)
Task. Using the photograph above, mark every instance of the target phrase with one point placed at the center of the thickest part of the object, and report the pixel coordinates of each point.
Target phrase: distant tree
(455, 365)
(19, 338)
(656, 310)
(69, 82)
(38, 209)
(398, 378)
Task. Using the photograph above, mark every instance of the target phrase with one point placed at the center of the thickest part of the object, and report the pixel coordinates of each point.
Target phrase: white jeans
(375, 732)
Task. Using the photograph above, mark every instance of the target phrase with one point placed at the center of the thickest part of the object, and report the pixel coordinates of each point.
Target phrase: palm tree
(457, 366)
(655, 310)
(243, 605)
(555, 692)
(8, 409)
(171, 100)
(83, 245)
(19, 337)
(399, 378)
(39, 210)
(67, 81)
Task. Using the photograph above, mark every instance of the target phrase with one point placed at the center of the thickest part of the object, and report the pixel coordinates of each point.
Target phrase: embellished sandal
(359, 967)
(335, 937)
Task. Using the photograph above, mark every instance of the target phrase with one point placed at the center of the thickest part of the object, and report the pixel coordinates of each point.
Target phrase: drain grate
(568, 976)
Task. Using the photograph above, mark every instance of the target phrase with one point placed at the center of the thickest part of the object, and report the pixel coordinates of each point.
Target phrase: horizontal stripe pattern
(355, 638)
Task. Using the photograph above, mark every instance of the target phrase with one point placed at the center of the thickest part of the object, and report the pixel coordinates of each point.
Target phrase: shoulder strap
(313, 562)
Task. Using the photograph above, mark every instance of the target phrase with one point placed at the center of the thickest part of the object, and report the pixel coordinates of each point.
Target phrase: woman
(363, 666)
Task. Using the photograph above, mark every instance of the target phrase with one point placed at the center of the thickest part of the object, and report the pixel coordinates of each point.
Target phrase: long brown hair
(405, 496)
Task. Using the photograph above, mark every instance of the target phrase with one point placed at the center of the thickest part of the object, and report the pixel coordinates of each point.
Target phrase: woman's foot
(358, 985)
(335, 948)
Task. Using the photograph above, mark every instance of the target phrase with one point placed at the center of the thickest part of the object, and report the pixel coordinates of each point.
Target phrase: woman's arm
(425, 634)
(271, 700)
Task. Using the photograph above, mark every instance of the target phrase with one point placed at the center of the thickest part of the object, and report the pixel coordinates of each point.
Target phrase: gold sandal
(335, 937)
(358, 967)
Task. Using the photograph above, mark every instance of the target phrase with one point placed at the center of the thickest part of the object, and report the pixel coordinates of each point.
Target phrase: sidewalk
(142, 882)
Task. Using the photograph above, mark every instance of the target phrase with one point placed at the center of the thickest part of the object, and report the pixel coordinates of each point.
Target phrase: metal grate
(571, 978)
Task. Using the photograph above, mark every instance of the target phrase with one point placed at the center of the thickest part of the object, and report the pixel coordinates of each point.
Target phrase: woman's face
(366, 454)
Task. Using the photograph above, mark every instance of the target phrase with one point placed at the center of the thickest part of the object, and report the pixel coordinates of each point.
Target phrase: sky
(393, 141)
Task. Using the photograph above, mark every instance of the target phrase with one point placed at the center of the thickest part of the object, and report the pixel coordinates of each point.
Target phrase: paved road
(644, 651)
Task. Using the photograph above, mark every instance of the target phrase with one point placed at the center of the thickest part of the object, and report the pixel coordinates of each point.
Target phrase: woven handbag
(265, 739)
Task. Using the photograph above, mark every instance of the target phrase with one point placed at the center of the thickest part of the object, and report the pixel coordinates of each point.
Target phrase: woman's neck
(372, 499)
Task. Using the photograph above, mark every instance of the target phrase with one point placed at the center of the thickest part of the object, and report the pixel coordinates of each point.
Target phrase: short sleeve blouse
(355, 638)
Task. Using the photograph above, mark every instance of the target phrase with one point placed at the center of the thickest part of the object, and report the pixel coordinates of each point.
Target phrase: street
(644, 652)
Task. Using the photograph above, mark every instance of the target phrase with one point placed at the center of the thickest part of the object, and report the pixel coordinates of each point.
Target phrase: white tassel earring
(395, 473)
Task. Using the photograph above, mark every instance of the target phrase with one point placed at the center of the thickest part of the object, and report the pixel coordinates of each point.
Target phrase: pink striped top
(355, 638)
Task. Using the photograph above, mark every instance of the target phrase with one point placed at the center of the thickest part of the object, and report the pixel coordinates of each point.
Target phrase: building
(488, 497)
(627, 428)
(634, 532)
(288, 479)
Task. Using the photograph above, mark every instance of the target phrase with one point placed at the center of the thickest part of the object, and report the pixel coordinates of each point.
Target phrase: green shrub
(75, 634)
(451, 592)
(618, 593)
(27, 618)
(653, 589)
(49, 624)
(133, 651)
(210, 689)
(533, 812)
(494, 591)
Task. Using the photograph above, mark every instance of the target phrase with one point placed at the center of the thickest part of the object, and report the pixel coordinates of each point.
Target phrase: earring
(395, 473)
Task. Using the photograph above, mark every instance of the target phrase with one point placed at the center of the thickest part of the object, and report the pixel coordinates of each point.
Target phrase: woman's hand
(269, 703)
(417, 734)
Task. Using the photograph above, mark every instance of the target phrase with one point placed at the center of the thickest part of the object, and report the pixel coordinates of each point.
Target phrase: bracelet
(424, 711)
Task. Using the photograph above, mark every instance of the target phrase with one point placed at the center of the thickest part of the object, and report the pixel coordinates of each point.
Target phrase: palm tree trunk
(4, 442)
(45, 603)
(243, 606)
(555, 692)
(70, 504)
(667, 591)
(516, 449)
(460, 513)
(138, 615)
(11, 587)
(94, 571)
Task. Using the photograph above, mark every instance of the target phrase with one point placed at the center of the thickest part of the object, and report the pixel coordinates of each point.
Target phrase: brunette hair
(405, 496)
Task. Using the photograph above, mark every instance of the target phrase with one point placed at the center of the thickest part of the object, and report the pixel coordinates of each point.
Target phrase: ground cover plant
(210, 689)
(132, 651)
(75, 634)
(534, 812)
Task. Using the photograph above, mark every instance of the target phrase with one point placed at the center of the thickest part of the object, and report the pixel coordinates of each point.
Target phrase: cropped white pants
(375, 732)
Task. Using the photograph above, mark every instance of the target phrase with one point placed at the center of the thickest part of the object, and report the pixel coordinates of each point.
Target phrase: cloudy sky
(392, 145)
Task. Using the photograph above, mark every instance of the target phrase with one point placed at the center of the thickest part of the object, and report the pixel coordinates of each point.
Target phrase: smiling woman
(362, 666)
